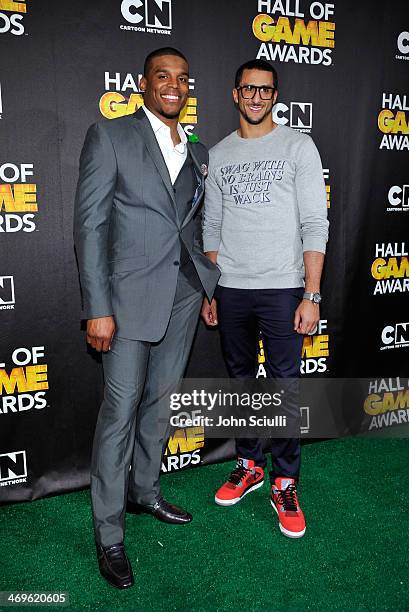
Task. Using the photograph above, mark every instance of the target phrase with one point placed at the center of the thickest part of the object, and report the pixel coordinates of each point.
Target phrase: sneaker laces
(238, 474)
(288, 498)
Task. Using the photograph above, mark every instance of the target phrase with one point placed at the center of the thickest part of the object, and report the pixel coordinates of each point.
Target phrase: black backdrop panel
(64, 66)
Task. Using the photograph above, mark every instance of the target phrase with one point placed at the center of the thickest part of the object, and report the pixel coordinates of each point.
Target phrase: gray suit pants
(132, 426)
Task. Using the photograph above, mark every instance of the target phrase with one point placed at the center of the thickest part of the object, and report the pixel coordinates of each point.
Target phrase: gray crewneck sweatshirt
(265, 204)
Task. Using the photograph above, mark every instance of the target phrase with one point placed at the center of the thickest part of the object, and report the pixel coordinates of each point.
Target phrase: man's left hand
(306, 317)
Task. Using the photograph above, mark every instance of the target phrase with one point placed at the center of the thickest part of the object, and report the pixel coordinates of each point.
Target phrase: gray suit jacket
(126, 228)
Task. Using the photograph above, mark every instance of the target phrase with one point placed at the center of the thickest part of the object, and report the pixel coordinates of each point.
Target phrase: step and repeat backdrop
(343, 70)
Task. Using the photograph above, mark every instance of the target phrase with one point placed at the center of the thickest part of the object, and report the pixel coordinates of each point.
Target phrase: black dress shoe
(168, 513)
(114, 565)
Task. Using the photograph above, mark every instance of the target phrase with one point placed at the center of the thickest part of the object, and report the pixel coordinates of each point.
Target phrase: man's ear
(235, 96)
(142, 84)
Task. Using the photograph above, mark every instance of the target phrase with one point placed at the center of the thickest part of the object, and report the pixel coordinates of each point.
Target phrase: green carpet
(354, 493)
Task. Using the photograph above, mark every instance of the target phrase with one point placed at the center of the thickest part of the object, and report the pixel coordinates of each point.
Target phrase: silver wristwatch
(315, 298)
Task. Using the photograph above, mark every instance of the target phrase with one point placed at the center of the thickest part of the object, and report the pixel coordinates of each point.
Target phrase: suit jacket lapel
(200, 184)
(149, 139)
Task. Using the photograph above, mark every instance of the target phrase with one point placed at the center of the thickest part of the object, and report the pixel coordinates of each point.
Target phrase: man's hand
(306, 317)
(209, 312)
(100, 333)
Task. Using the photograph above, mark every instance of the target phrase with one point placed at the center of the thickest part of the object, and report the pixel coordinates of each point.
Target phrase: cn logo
(153, 13)
(13, 465)
(305, 419)
(6, 290)
(396, 334)
(298, 114)
(403, 42)
(399, 196)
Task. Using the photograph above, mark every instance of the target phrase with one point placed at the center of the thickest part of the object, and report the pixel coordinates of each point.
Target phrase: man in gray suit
(143, 274)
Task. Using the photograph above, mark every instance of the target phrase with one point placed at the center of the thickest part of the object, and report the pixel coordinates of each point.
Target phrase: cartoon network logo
(395, 336)
(7, 298)
(13, 468)
(402, 44)
(297, 115)
(398, 198)
(151, 16)
(305, 419)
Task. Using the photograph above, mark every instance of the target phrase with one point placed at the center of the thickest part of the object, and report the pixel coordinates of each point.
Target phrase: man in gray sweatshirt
(265, 225)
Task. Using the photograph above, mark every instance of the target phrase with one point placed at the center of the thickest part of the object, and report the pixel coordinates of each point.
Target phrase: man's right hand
(209, 312)
(100, 333)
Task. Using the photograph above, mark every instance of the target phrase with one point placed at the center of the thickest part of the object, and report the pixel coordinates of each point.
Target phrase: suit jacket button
(175, 263)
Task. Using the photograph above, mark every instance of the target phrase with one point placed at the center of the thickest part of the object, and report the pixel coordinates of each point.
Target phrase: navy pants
(242, 314)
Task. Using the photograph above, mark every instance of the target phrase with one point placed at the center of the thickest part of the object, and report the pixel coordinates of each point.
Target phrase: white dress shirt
(175, 156)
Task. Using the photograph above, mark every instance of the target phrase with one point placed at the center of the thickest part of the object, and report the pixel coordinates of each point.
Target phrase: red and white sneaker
(245, 477)
(285, 502)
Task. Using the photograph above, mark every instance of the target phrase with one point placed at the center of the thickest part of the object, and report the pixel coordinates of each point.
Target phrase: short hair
(256, 64)
(159, 53)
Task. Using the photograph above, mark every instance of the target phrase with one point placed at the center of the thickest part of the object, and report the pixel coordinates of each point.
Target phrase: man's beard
(250, 119)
